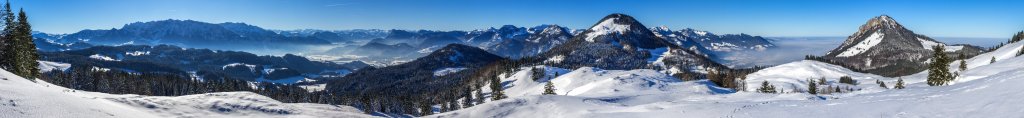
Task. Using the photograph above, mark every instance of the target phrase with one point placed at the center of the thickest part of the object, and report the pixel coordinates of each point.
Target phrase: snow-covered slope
(21, 98)
(984, 90)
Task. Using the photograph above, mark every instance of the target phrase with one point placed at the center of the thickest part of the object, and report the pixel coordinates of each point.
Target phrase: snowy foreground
(21, 98)
(984, 90)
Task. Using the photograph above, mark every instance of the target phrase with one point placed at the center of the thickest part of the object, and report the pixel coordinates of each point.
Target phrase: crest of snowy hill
(620, 42)
(710, 42)
(795, 75)
(595, 82)
(414, 75)
(981, 91)
(884, 47)
(22, 98)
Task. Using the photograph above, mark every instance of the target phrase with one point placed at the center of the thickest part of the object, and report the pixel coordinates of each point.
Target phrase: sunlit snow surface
(21, 98)
(984, 90)
(864, 45)
(608, 26)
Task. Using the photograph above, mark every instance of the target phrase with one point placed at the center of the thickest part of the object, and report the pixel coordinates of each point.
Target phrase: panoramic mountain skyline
(510, 59)
(763, 18)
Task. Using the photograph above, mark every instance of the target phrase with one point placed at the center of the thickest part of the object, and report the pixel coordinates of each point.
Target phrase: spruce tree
(993, 60)
(479, 94)
(881, 84)
(25, 50)
(899, 84)
(1021, 52)
(467, 101)
(938, 69)
(496, 90)
(812, 87)
(821, 81)
(963, 62)
(425, 109)
(766, 88)
(7, 38)
(549, 88)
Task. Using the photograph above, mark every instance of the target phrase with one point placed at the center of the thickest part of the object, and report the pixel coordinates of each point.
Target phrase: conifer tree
(938, 69)
(426, 109)
(468, 100)
(899, 84)
(963, 62)
(837, 89)
(1021, 52)
(881, 84)
(766, 88)
(812, 87)
(479, 94)
(7, 38)
(25, 56)
(444, 107)
(821, 81)
(993, 60)
(549, 88)
(496, 90)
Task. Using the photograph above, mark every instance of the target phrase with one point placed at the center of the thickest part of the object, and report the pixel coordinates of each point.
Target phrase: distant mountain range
(201, 63)
(187, 33)
(373, 45)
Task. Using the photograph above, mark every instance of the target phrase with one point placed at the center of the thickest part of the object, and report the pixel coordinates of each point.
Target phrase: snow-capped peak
(609, 25)
(552, 30)
(884, 21)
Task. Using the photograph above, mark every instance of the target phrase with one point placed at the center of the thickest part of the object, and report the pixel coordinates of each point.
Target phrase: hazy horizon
(762, 18)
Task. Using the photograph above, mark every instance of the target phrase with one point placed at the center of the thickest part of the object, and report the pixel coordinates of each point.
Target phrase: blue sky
(936, 18)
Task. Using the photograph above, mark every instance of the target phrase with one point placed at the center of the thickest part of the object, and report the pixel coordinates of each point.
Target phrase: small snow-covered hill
(22, 98)
(794, 76)
(595, 82)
